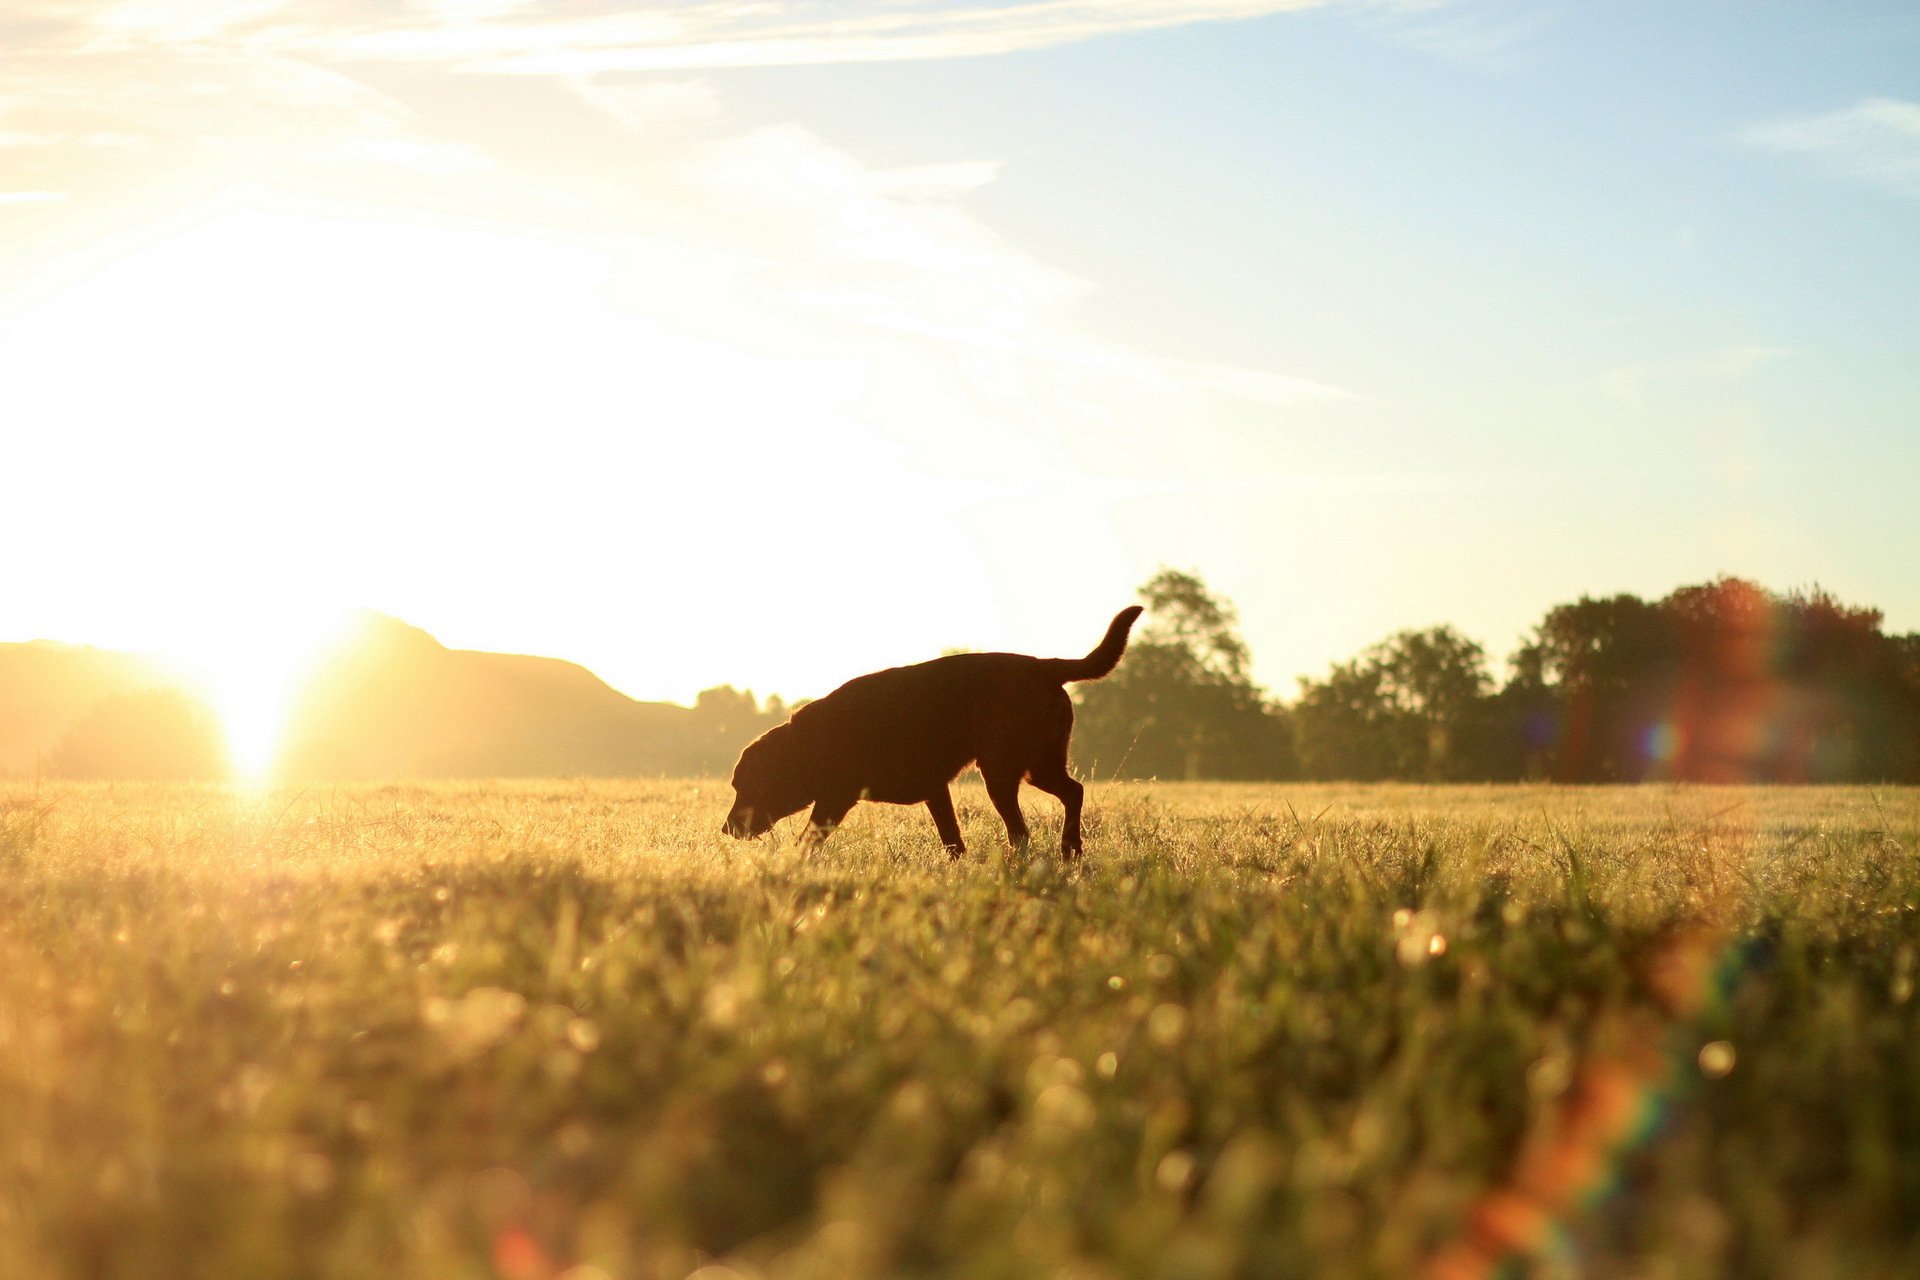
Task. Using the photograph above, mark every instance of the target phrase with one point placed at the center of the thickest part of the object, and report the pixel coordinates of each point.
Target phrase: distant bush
(157, 734)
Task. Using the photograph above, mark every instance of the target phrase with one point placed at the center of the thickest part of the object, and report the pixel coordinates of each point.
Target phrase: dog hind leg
(1003, 788)
(1055, 780)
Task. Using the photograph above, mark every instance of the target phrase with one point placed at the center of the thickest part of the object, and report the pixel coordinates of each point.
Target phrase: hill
(47, 689)
(393, 702)
(388, 701)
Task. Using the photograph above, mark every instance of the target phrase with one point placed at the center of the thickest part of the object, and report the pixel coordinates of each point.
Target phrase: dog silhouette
(902, 735)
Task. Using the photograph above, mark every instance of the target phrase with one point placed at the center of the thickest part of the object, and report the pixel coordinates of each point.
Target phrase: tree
(726, 719)
(1720, 682)
(1342, 725)
(1409, 707)
(1592, 681)
(1183, 616)
(1182, 703)
(1905, 656)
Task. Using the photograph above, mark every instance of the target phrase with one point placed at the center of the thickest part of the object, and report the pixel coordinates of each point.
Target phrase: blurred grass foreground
(538, 1031)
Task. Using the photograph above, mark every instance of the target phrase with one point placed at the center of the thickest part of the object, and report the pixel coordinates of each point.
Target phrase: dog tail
(1105, 656)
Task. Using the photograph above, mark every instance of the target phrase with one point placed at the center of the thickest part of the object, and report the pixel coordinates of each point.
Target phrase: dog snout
(739, 824)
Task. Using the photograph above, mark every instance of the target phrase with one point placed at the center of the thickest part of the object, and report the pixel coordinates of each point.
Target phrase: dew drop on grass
(1166, 1024)
(311, 1174)
(1063, 1106)
(1550, 1076)
(112, 1179)
(574, 1139)
(722, 1005)
(1049, 1069)
(1018, 1012)
(481, 1018)
(1174, 1171)
(1716, 1059)
(1419, 938)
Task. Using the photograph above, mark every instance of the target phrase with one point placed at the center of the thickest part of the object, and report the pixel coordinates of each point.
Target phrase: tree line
(1720, 682)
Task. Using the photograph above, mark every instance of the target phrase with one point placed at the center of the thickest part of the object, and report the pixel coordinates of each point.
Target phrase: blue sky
(705, 347)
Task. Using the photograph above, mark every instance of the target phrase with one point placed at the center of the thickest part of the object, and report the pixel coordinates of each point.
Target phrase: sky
(767, 344)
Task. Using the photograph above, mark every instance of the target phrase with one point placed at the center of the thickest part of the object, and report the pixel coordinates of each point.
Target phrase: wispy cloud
(1480, 33)
(870, 260)
(520, 36)
(722, 33)
(216, 75)
(774, 241)
(1876, 139)
(132, 21)
(651, 101)
(140, 87)
(1271, 390)
(97, 138)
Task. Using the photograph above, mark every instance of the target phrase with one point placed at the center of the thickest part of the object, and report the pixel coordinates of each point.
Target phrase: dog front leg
(946, 822)
(826, 815)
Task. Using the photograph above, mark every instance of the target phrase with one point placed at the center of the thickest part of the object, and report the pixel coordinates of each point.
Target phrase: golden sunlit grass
(551, 1030)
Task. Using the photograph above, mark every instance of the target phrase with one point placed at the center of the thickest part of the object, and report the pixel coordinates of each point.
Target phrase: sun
(250, 667)
(517, 438)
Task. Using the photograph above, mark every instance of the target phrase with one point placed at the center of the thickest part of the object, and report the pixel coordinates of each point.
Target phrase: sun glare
(249, 671)
(499, 437)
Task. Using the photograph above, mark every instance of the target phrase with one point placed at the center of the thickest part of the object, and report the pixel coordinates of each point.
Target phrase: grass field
(568, 1029)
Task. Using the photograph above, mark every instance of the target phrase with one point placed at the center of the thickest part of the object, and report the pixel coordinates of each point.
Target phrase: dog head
(768, 785)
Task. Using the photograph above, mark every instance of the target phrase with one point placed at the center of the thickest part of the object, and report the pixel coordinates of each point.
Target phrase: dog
(900, 736)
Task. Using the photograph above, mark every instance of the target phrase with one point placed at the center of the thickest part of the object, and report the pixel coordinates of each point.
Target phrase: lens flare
(1722, 683)
(1619, 1097)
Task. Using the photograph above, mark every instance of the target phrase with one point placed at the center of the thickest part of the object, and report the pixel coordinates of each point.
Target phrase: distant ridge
(393, 702)
(47, 688)
(389, 702)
